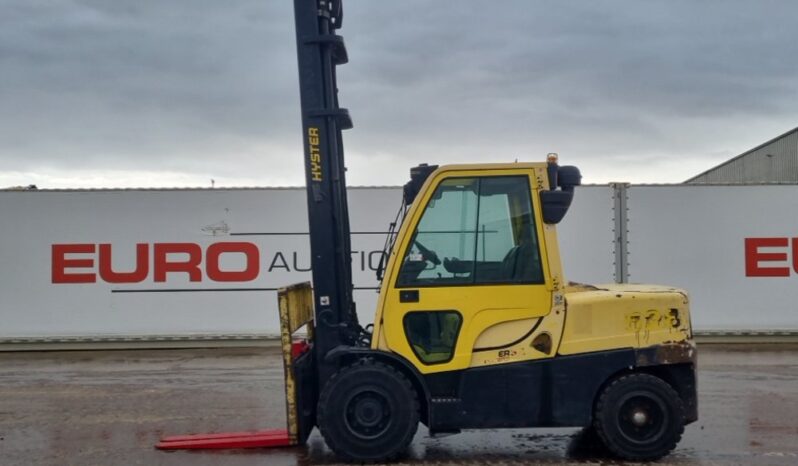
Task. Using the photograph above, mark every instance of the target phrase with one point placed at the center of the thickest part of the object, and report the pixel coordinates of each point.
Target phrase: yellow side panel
(481, 307)
(500, 333)
(550, 326)
(624, 316)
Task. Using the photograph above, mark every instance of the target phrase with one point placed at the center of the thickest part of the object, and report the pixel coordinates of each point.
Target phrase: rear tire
(368, 412)
(639, 417)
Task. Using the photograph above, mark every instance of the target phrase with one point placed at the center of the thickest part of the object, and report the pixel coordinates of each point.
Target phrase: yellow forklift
(476, 325)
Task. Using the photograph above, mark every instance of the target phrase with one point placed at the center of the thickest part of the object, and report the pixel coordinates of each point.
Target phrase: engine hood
(605, 316)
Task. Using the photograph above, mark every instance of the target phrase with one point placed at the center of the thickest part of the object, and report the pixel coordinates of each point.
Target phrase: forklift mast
(319, 51)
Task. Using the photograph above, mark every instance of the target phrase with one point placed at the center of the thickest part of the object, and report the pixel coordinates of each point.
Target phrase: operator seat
(521, 263)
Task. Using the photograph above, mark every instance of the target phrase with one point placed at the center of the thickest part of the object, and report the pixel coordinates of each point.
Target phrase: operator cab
(473, 238)
(507, 248)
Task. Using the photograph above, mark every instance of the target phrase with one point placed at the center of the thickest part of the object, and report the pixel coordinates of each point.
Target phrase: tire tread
(612, 445)
(323, 405)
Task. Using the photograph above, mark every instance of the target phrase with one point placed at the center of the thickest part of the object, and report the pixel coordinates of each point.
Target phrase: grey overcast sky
(153, 93)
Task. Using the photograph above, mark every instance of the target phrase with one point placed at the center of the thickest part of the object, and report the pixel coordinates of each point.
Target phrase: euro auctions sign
(220, 262)
(771, 257)
(84, 263)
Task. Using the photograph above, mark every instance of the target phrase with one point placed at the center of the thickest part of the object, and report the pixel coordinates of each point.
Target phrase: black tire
(368, 412)
(639, 417)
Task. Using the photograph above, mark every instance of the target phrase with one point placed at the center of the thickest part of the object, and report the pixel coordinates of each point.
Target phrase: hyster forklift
(476, 326)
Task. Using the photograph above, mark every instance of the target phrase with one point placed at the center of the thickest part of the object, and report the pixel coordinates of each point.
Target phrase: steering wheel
(428, 254)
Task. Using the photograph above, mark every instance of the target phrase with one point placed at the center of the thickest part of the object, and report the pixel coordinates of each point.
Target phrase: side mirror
(555, 202)
(568, 177)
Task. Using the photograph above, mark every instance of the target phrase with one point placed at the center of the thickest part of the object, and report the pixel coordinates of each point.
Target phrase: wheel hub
(639, 418)
(368, 414)
(642, 417)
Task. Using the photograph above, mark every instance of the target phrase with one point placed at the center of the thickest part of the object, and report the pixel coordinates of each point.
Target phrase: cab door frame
(389, 332)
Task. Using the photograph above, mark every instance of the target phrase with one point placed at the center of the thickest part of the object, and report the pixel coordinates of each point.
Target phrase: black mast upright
(319, 51)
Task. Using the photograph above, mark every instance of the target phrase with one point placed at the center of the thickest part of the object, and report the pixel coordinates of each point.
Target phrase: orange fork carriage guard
(296, 312)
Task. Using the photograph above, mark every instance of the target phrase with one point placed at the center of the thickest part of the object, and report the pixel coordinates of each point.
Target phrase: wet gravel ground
(110, 408)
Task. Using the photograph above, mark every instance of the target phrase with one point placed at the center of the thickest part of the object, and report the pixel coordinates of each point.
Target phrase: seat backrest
(521, 263)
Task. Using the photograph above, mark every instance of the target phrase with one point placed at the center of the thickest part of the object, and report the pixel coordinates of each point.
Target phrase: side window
(507, 244)
(475, 231)
(433, 335)
(447, 230)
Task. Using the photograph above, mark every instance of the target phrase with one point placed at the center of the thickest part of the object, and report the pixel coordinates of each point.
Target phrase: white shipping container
(106, 263)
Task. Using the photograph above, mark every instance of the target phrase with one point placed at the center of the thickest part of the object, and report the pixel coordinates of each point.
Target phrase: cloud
(173, 92)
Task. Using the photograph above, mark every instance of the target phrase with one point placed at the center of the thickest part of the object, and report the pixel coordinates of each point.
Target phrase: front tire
(639, 417)
(368, 412)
